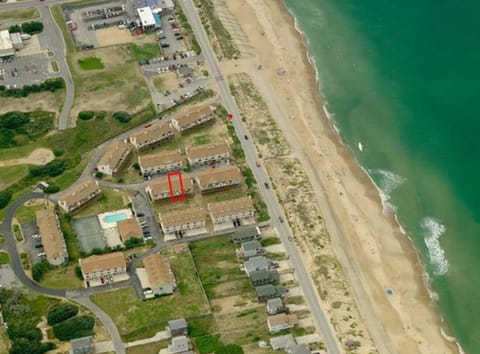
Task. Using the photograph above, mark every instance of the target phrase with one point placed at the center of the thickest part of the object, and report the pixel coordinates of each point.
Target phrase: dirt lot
(113, 36)
(119, 86)
(42, 101)
(39, 156)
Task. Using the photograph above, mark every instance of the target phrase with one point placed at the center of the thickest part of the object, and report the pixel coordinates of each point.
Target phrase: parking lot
(26, 70)
(145, 216)
(33, 244)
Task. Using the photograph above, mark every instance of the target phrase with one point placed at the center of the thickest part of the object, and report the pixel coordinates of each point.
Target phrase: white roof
(146, 16)
(5, 41)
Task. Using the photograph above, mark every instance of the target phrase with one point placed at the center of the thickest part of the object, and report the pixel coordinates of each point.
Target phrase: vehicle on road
(266, 185)
(246, 137)
(280, 219)
(258, 164)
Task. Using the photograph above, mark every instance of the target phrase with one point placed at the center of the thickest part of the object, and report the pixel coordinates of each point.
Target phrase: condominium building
(162, 162)
(128, 228)
(195, 117)
(52, 237)
(152, 135)
(103, 269)
(78, 195)
(159, 188)
(114, 158)
(214, 179)
(233, 212)
(208, 154)
(180, 221)
(159, 273)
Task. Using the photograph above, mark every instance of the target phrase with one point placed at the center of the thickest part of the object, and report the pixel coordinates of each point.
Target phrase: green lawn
(269, 241)
(62, 277)
(27, 213)
(219, 269)
(109, 200)
(91, 63)
(137, 319)
(202, 139)
(11, 174)
(18, 15)
(4, 257)
(145, 51)
(158, 82)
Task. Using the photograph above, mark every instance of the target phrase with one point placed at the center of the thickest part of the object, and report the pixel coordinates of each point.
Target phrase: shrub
(78, 272)
(122, 117)
(5, 197)
(39, 269)
(15, 29)
(133, 242)
(58, 152)
(86, 115)
(99, 175)
(52, 169)
(51, 189)
(61, 312)
(75, 327)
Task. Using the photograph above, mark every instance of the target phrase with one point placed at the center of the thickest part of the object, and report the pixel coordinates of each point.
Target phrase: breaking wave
(433, 230)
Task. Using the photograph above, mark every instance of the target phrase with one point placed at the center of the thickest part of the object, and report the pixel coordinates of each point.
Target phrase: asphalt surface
(261, 176)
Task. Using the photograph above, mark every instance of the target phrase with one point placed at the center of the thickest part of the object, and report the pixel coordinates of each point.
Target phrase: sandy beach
(374, 253)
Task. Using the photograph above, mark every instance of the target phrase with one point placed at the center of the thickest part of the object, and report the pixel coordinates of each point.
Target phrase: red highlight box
(174, 199)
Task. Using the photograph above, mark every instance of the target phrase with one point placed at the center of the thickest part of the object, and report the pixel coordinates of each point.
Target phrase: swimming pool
(113, 218)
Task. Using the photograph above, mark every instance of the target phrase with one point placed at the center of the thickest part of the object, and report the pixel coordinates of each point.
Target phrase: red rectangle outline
(172, 197)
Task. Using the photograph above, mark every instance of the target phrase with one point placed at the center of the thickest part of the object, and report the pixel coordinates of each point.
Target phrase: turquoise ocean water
(403, 78)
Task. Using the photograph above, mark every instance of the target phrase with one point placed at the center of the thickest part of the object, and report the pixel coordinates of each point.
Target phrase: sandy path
(39, 156)
(372, 249)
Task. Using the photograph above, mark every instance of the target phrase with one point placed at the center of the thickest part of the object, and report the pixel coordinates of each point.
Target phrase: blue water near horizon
(402, 78)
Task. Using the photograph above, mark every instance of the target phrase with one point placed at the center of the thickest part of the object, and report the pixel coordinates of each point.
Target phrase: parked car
(246, 137)
(140, 214)
(266, 185)
(280, 219)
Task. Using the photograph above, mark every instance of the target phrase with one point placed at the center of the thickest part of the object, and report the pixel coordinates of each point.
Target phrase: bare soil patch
(113, 36)
(39, 156)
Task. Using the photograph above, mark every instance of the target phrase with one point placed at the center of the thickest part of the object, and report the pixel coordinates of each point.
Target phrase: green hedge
(76, 327)
(61, 312)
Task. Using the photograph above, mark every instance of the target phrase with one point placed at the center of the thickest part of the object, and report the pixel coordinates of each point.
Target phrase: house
(159, 188)
(250, 249)
(78, 196)
(262, 277)
(214, 179)
(245, 234)
(160, 275)
(114, 158)
(299, 349)
(180, 221)
(162, 162)
(285, 342)
(232, 213)
(280, 322)
(51, 236)
(128, 228)
(255, 264)
(180, 344)
(103, 269)
(269, 291)
(83, 345)
(208, 154)
(193, 118)
(177, 327)
(275, 306)
(152, 135)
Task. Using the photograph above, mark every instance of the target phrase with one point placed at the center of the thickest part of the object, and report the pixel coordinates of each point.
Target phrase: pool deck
(108, 225)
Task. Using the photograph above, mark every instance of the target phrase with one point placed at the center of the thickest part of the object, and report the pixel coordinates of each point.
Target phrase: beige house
(162, 162)
(51, 236)
(78, 196)
(281, 321)
(159, 274)
(233, 212)
(103, 269)
(178, 222)
(114, 158)
(218, 178)
(209, 154)
(195, 117)
(152, 135)
(159, 188)
(128, 228)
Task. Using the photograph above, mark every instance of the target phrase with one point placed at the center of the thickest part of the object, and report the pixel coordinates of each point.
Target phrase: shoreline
(388, 210)
(417, 291)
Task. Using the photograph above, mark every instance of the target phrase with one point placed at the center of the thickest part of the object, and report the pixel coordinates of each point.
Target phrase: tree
(133, 242)
(86, 115)
(14, 29)
(51, 189)
(99, 175)
(32, 27)
(39, 269)
(78, 272)
(5, 197)
(61, 312)
(75, 327)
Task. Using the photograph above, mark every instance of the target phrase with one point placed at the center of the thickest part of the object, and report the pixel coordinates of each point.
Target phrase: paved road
(54, 41)
(274, 209)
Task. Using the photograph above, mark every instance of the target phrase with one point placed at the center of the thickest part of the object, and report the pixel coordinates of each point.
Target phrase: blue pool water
(115, 217)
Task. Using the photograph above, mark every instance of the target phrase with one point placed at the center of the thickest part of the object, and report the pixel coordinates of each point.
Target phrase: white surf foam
(386, 184)
(433, 230)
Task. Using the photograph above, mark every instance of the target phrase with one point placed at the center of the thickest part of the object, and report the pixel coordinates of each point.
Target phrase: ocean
(402, 79)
